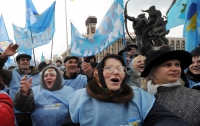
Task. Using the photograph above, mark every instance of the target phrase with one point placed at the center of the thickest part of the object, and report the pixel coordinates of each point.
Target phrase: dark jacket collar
(72, 77)
(193, 77)
(33, 71)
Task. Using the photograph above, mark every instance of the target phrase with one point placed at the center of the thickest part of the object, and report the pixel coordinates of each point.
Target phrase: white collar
(152, 89)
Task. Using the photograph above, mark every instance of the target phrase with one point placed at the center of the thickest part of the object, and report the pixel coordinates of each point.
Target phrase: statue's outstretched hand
(10, 50)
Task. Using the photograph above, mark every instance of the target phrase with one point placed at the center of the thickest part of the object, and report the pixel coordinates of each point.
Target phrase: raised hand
(10, 50)
(87, 69)
(25, 85)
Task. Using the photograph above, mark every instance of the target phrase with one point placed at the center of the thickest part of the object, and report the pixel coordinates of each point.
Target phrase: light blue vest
(91, 112)
(15, 83)
(51, 107)
(192, 83)
(78, 83)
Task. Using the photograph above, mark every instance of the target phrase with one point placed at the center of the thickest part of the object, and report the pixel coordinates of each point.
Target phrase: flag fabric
(29, 52)
(29, 40)
(3, 31)
(4, 45)
(110, 29)
(38, 22)
(8, 63)
(176, 14)
(42, 58)
(192, 25)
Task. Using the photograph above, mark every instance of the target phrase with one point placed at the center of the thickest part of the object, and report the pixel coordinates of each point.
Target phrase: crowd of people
(158, 89)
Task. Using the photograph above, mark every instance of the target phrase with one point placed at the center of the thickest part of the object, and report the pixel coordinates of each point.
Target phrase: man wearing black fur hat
(13, 78)
(73, 79)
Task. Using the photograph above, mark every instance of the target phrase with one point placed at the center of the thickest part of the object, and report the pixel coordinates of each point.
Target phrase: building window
(172, 42)
(93, 29)
(183, 45)
(177, 43)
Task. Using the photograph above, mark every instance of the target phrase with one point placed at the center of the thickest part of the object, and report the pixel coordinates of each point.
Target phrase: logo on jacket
(52, 107)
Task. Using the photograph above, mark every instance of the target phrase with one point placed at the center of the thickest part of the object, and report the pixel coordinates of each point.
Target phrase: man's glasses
(110, 69)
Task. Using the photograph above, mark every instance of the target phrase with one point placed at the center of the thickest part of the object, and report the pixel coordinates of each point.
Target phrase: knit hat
(59, 61)
(157, 57)
(42, 65)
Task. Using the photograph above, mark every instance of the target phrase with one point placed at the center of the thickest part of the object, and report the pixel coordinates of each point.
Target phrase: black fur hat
(157, 57)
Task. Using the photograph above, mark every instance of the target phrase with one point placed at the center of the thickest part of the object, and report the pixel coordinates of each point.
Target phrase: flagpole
(33, 48)
(51, 48)
(66, 27)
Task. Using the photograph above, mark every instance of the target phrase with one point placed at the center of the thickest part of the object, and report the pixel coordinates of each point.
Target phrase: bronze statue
(150, 32)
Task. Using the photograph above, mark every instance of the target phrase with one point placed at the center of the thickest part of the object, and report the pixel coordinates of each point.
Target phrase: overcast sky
(13, 11)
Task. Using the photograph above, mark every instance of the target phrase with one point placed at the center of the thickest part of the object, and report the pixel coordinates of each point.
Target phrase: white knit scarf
(152, 89)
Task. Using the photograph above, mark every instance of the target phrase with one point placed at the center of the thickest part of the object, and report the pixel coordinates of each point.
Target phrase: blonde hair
(136, 59)
(149, 77)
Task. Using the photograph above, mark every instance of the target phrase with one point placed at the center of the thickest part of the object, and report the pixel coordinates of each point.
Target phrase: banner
(27, 41)
(110, 29)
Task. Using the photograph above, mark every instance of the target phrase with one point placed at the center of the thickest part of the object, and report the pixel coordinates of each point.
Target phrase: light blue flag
(25, 41)
(3, 46)
(38, 23)
(110, 29)
(176, 14)
(3, 31)
(42, 58)
(29, 52)
(8, 63)
(192, 25)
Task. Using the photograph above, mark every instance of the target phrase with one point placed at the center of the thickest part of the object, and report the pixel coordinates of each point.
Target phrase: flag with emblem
(192, 25)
